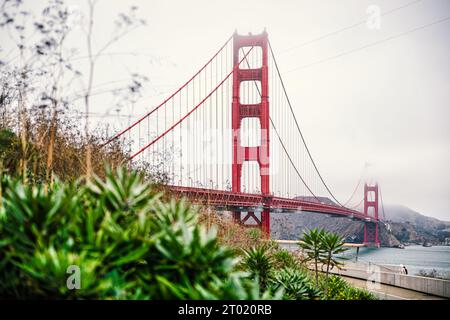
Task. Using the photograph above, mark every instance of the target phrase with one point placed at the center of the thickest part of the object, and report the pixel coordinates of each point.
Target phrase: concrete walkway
(387, 292)
(391, 282)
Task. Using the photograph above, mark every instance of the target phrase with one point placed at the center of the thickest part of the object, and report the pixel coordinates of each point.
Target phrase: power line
(368, 45)
(346, 28)
(103, 115)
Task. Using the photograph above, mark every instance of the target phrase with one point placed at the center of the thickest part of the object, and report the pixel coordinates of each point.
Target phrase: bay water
(415, 258)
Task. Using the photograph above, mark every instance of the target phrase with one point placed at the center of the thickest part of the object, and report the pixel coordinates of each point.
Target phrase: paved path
(387, 292)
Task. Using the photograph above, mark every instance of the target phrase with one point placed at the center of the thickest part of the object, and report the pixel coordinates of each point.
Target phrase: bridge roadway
(234, 201)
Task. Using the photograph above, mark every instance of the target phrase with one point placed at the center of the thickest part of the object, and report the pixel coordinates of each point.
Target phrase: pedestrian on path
(403, 269)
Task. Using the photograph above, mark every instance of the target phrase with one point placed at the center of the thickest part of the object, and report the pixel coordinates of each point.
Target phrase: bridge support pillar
(371, 227)
(265, 223)
(260, 110)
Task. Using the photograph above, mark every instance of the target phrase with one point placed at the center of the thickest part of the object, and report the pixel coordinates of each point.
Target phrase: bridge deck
(294, 242)
(256, 202)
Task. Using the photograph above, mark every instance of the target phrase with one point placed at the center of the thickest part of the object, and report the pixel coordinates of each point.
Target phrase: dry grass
(229, 233)
(42, 150)
(69, 160)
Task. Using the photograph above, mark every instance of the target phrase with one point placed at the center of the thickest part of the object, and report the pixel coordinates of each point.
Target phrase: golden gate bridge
(229, 138)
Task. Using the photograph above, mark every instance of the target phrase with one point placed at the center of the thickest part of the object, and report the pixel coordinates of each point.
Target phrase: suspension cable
(382, 205)
(291, 161)
(356, 206)
(298, 128)
(170, 97)
(282, 143)
(190, 112)
(357, 186)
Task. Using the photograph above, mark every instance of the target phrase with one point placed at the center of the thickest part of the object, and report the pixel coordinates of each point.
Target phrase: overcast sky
(362, 95)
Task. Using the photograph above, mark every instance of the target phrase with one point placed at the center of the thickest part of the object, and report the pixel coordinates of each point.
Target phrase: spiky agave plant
(35, 221)
(259, 263)
(296, 284)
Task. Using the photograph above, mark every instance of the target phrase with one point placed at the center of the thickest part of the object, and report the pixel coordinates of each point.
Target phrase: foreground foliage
(127, 243)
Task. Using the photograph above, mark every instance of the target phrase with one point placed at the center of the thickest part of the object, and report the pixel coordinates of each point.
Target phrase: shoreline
(375, 275)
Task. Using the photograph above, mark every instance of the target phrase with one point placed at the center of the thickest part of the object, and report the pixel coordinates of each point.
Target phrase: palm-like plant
(332, 244)
(311, 243)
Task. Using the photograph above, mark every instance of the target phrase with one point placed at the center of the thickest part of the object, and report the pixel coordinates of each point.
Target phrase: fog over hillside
(406, 225)
(399, 213)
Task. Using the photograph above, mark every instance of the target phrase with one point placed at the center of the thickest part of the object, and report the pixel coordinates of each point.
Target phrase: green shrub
(284, 259)
(9, 150)
(339, 289)
(254, 234)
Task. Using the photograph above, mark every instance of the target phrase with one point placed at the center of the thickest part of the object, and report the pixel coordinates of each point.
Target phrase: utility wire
(368, 45)
(346, 28)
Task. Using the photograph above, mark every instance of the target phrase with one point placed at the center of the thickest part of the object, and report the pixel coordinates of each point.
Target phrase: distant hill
(406, 226)
(398, 213)
(411, 226)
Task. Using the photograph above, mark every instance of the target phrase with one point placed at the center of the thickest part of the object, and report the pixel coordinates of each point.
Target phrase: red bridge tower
(371, 228)
(260, 110)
